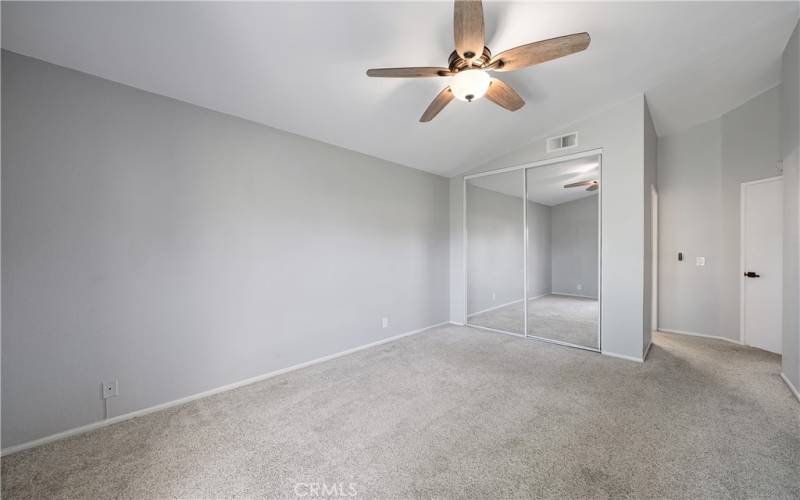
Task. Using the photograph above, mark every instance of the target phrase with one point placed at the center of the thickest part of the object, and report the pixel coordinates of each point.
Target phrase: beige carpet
(456, 413)
(557, 317)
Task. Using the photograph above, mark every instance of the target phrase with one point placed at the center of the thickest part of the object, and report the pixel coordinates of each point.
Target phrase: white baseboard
(138, 413)
(694, 334)
(456, 323)
(622, 356)
(574, 295)
(494, 307)
(791, 386)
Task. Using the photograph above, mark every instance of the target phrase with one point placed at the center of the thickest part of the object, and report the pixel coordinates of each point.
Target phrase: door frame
(742, 240)
(654, 258)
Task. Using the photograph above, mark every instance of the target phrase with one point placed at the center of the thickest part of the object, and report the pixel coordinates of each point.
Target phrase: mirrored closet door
(533, 251)
(495, 251)
(564, 252)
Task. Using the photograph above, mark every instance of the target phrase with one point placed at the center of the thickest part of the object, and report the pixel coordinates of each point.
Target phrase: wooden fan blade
(503, 95)
(468, 28)
(439, 102)
(578, 184)
(593, 187)
(539, 52)
(408, 72)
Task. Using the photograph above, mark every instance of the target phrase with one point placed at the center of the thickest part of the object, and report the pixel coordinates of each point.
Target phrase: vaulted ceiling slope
(300, 66)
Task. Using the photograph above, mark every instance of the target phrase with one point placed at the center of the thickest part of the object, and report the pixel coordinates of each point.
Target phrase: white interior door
(762, 260)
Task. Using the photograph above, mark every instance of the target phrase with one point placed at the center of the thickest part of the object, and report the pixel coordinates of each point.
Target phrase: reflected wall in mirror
(495, 251)
(563, 252)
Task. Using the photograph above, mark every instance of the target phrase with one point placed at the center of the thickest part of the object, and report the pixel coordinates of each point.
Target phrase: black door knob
(751, 274)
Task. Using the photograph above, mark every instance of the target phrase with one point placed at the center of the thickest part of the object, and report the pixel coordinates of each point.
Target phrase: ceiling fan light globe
(470, 84)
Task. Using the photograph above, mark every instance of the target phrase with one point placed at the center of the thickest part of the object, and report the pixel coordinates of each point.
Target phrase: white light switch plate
(700, 261)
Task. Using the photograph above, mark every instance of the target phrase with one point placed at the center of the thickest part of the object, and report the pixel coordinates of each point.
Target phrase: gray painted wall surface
(700, 172)
(179, 249)
(540, 271)
(650, 182)
(457, 279)
(790, 148)
(689, 179)
(619, 131)
(495, 252)
(574, 243)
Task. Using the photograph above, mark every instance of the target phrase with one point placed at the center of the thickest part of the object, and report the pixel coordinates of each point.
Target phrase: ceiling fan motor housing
(457, 63)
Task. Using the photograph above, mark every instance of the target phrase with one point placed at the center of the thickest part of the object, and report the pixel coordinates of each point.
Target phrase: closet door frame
(465, 255)
(465, 245)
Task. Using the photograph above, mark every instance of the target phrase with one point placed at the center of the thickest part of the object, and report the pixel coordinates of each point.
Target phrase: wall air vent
(565, 141)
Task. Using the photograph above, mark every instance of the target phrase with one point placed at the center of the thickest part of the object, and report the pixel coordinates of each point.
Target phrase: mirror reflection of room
(562, 213)
(495, 252)
(563, 252)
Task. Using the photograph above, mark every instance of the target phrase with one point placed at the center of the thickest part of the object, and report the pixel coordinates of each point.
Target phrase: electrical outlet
(110, 389)
(700, 261)
(384, 322)
(580, 287)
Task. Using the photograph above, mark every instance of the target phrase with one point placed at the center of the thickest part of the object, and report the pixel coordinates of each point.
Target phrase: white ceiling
(546, 183)
(301, 66)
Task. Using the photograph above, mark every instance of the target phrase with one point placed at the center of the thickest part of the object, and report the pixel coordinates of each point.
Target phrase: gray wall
(494, 232)
(619, 131)
(700, 172)
(790, 127)
(179, 249)
(457, 279)
(689, 178)
(540, 270)
(574, 245)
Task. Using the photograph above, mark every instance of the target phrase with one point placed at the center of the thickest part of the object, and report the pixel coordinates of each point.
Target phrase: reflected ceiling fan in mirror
(593, 185)
(470, 63)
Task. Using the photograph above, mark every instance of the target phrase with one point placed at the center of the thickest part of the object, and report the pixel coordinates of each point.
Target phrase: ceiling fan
(470, 62)
(594, 185)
